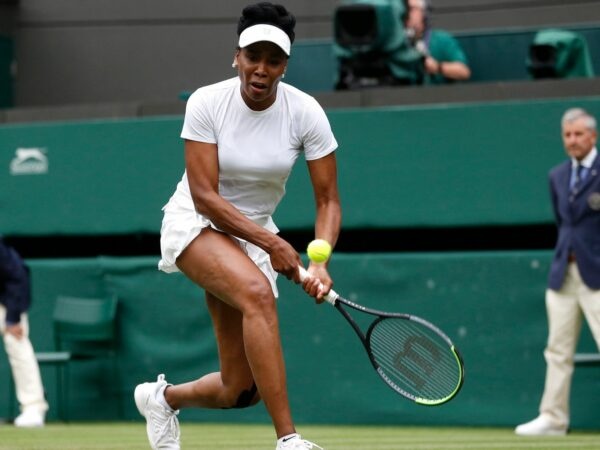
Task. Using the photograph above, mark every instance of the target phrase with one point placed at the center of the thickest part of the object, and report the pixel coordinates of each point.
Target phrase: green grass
(131, 436)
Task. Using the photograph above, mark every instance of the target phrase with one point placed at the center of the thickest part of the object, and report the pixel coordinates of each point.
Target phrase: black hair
(267, 13)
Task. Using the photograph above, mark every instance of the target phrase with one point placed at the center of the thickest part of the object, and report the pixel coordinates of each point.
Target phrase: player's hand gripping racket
(414, 357)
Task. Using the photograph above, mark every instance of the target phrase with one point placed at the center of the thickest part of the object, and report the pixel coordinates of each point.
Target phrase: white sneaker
(295, 442)
(162, 425)
(30, 418)
(540, 426)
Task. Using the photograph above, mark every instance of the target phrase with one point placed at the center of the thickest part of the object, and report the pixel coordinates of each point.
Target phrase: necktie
(577, 177)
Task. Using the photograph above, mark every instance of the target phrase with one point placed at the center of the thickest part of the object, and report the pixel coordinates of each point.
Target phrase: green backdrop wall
(442, 165)
(491, 305)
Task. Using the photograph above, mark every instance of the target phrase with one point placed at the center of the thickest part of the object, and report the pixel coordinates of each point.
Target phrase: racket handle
(331, 296)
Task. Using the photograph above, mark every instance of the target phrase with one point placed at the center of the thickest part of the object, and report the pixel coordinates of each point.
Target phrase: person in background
(242, 137)
(444, 59)
(574, 279)
(14, 302)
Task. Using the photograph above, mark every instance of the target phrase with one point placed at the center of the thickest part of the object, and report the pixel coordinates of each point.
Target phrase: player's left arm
(323, 176)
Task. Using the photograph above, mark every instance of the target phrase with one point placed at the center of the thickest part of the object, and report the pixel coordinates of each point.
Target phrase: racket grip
(331, 296)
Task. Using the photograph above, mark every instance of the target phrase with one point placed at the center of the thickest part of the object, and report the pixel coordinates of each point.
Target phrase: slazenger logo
(28, 161)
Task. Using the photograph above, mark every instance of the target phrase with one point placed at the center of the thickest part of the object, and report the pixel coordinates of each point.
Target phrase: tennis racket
(412, 356)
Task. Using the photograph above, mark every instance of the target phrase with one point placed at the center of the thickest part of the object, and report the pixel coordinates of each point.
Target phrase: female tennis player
(242, 137)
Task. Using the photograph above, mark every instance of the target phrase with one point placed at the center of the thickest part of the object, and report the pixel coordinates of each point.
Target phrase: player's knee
(247, 398)
(260, 298)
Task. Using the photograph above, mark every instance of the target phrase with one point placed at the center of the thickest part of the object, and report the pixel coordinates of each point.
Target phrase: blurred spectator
(14, 327)
(445, 60)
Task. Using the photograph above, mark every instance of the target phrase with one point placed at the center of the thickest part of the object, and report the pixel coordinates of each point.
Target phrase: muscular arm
(202, 166)
(323, 175)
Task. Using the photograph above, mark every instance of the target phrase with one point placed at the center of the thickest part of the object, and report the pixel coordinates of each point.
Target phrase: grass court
(132, 436)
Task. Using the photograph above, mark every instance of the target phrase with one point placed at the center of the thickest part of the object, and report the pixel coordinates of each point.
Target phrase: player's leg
(233, 386)
(217, 263)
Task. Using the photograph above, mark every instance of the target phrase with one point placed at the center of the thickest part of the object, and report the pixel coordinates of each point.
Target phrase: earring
(233, 64)
(283, 75)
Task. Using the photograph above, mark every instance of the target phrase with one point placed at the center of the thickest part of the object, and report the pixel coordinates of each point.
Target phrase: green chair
(84, 329)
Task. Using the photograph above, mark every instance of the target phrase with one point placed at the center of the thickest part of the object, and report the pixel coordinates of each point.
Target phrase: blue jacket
(578, 221)
(14, 284)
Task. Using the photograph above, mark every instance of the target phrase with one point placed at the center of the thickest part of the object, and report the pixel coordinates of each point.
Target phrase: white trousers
(565, 308)
(24, 366)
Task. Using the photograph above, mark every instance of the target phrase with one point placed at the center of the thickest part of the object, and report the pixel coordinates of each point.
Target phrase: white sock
(160, 398)
(287, 438)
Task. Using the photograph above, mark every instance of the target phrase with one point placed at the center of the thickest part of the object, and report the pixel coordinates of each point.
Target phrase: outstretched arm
(323, 175)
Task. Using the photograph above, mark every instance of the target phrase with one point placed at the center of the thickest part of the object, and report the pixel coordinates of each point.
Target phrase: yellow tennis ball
(319, 250)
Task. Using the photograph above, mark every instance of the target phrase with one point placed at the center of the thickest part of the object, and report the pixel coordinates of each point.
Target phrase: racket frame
(336, 300)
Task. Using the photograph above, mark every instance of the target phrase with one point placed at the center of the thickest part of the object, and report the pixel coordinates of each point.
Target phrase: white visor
(264, 32)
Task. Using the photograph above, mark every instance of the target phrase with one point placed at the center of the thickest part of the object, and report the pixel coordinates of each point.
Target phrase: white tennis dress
(256, 151)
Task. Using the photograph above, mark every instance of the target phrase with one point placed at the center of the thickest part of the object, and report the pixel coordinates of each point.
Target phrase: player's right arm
(202, 167)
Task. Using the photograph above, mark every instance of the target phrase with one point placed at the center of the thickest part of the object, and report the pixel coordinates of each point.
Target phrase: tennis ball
(319, 250)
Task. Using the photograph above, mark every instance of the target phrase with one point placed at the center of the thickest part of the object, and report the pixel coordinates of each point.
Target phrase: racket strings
(415, 358)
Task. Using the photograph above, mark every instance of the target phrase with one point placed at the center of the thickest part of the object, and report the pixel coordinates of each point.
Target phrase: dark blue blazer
(578, 220)
(14, 283)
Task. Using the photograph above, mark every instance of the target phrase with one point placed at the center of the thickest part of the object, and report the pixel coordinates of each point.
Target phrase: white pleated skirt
(181, 224)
